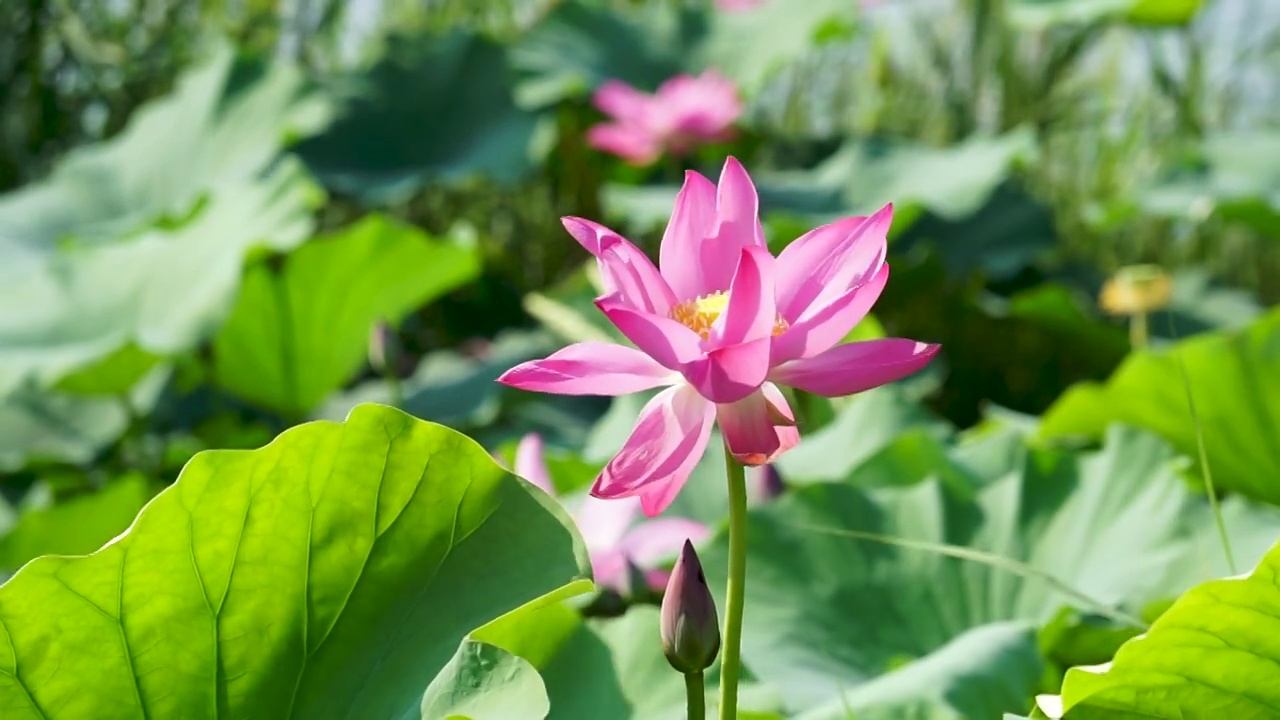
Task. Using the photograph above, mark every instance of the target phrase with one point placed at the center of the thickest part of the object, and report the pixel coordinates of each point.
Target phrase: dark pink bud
(690, 628)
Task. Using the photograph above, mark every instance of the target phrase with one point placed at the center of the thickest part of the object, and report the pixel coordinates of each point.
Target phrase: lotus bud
(690, 628)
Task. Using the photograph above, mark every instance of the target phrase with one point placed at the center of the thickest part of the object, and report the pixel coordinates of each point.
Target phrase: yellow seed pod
(1136, 289)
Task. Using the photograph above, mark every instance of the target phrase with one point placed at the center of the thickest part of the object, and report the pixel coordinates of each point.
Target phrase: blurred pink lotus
(608, 527)
(686, 111)
(720, 328)
(737, 5)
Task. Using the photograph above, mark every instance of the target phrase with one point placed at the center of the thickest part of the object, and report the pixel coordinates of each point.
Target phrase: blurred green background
(211, 206)
(222, 219)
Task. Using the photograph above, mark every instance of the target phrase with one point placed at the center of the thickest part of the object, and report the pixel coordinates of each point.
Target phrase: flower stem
(697, 693)
(1138, 335)
(731, 663)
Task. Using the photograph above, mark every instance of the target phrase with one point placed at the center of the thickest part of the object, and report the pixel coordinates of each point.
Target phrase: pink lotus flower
(737, 5)
(608, 527)
(720, 327)
(685, 112)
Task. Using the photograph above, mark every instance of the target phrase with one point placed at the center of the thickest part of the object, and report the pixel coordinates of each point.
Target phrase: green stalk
(1139, 337)
(696, 690)
(731, 663)
(1214, 507)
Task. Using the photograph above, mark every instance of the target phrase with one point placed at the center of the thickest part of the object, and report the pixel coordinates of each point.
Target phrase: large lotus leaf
(299, 332)
(162, 290)
(828, 611)
(79, 525)
(1004, 235)
(223, 124)
(141, 238)
(577, 46)
(751, 45)
(485, 682)
(332, 573)
(434, 108)
(1236, 389)
(1232, 179)
(1213, 654)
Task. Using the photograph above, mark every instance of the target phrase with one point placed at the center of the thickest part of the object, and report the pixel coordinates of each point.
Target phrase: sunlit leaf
(329, 574)
(1237, 397)
(299, 333)
(1212, 654)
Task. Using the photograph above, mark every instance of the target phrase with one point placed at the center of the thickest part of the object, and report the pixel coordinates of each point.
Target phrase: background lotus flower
(608, 527)
(720, 327)
(737, 5)
(684, 112)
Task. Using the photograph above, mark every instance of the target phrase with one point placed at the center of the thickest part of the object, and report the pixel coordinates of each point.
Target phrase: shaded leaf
(577, 46)
(434, 108)
(449, 387)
